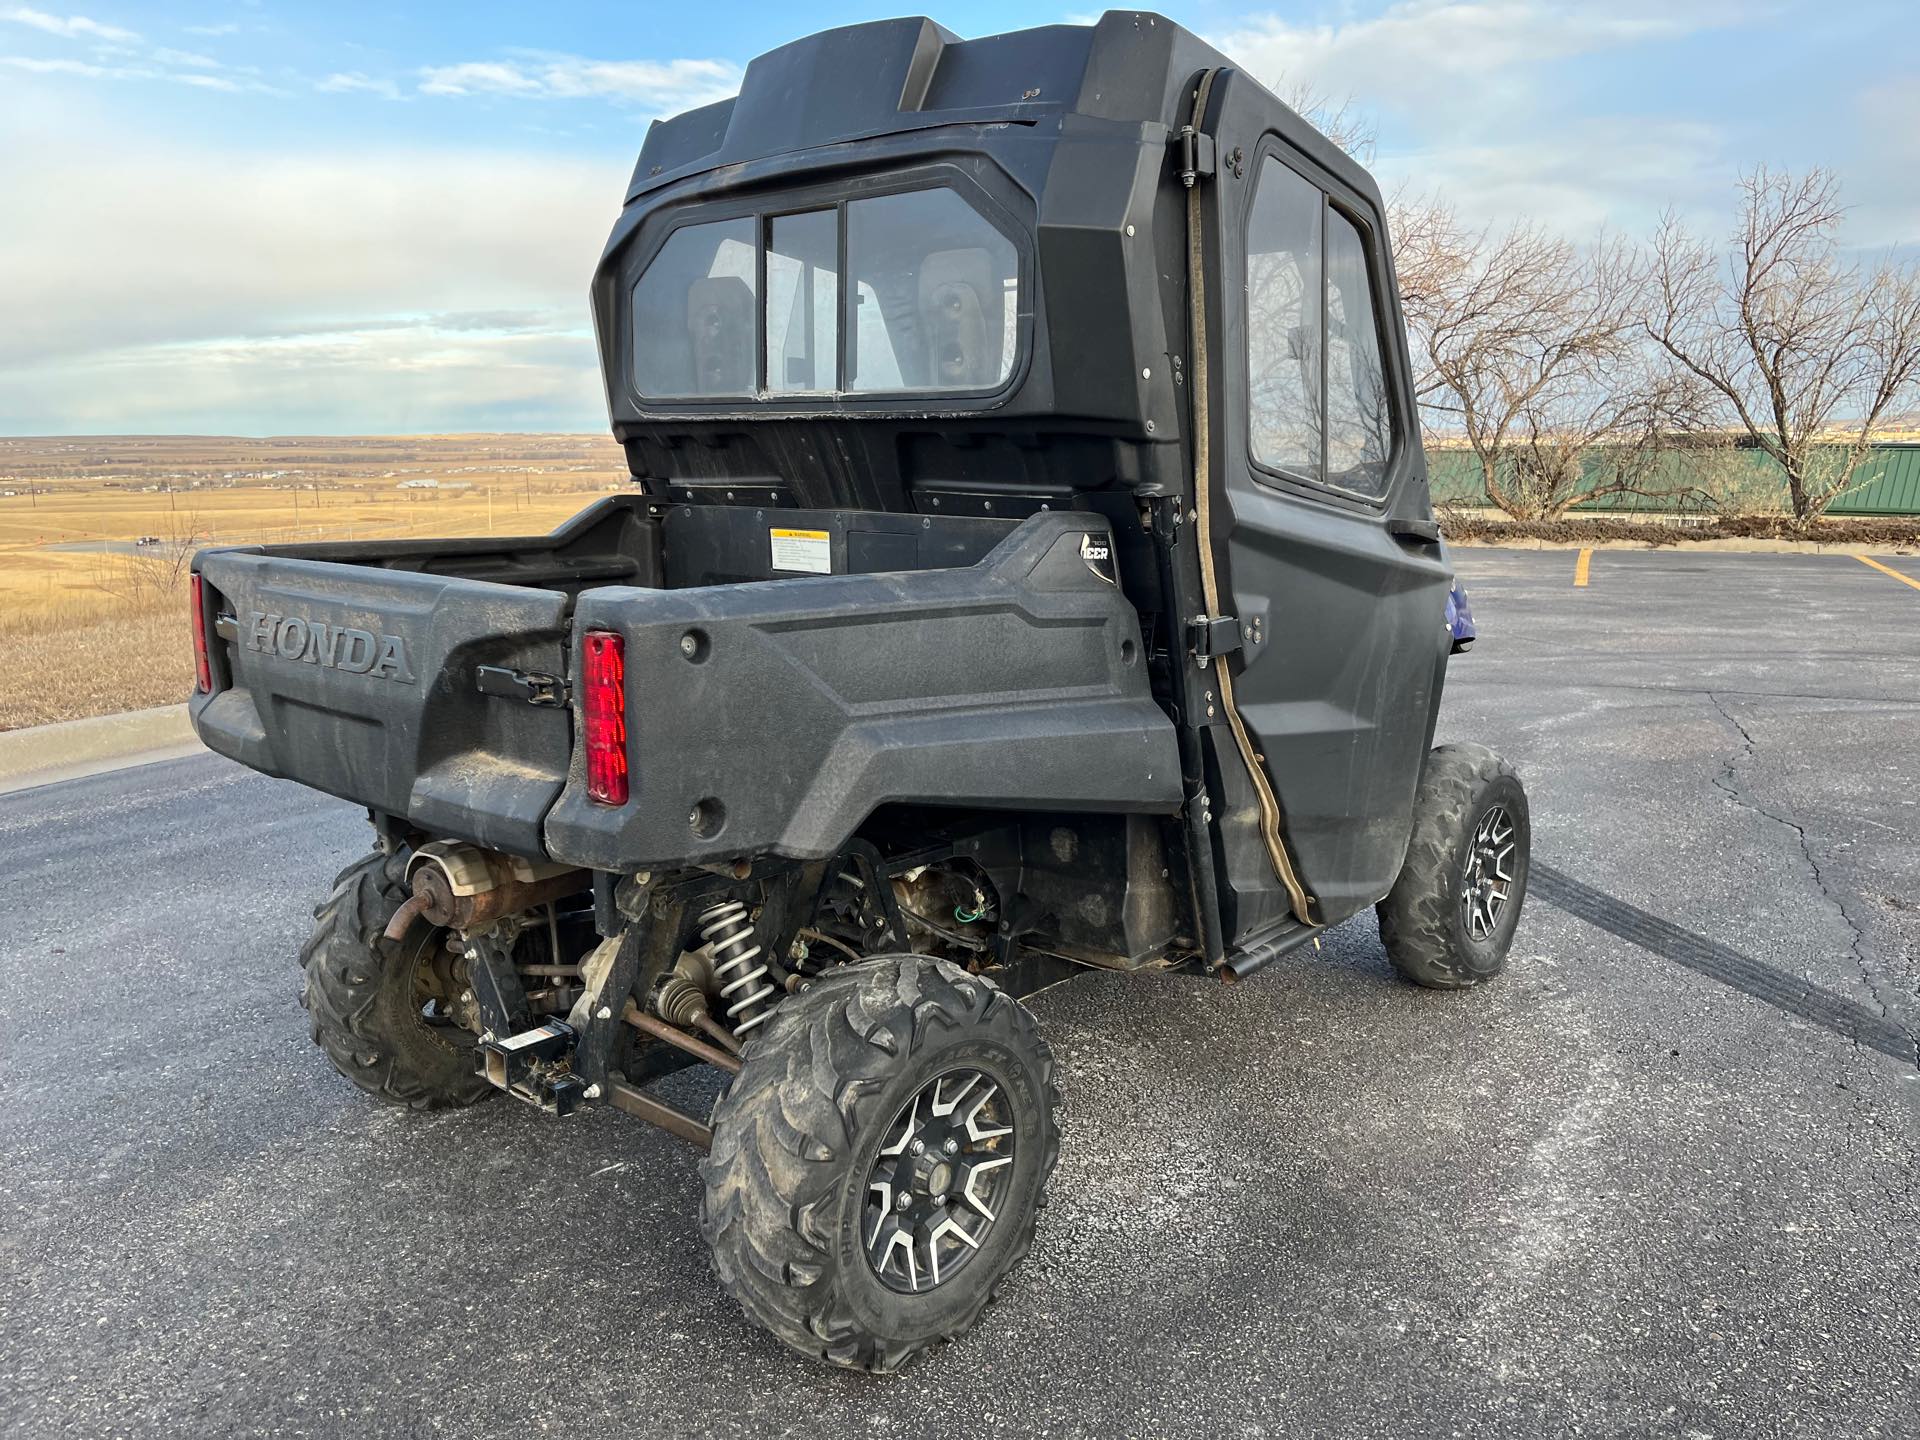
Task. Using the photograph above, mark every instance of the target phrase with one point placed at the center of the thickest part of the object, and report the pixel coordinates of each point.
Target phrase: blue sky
(273, 218)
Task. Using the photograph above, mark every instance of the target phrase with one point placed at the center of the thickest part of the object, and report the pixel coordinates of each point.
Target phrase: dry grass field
(92, 621)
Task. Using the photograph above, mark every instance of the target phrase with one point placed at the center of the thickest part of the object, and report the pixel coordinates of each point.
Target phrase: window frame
(764, 207)
(1333, 196)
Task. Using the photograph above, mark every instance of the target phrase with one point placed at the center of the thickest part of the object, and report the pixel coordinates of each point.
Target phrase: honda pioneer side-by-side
(1028, 568)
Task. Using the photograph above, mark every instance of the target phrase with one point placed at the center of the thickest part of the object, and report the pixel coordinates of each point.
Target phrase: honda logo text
(333, 647)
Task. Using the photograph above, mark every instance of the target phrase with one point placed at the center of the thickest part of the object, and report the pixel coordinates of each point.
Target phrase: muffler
(465, 888)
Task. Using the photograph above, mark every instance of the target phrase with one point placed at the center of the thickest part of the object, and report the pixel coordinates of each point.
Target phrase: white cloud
(1580, 178)
(1418, 50)
(669, 85)
(71, 27)
(322, 289)
(1474, 81)
(353, 80)
(54, 67)
(382, 379)
(477, 77)
(189, 58)
(215, 30)
(233, 82)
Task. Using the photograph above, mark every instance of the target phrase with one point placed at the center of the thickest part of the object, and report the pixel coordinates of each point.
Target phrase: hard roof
(1131, 67)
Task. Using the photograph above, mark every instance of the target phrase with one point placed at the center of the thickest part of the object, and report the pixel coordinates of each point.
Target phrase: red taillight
(202, 665)
(603, 696)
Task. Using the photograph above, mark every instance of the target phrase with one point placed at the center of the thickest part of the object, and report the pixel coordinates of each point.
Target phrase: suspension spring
(745, 991)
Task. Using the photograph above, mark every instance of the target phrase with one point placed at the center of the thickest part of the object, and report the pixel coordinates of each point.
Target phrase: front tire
(369, 997)
(1449, 920)
(878, 1162)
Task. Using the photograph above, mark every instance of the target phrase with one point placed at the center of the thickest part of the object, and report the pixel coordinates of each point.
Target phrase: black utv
(1028, 566)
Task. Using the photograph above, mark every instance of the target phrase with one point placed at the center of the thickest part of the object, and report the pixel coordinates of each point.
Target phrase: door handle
(1414, 532)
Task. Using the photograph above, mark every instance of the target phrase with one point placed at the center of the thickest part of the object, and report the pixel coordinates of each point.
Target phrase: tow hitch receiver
(533, 1066)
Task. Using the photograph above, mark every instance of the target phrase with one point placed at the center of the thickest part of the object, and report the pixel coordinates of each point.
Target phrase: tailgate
(361, 682)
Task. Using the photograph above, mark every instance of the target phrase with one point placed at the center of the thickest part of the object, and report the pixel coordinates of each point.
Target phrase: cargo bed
(957, 660)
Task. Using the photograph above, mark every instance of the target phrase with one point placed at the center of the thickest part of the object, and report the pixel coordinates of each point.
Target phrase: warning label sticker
(808, 551)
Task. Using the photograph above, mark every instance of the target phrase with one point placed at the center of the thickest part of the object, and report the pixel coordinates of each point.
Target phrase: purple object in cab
(1460, 619)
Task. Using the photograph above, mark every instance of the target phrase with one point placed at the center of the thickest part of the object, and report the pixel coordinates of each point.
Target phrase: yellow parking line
(1582, 566)
(1889, 570)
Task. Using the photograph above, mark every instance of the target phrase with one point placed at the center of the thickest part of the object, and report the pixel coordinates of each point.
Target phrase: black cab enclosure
(1020, 422)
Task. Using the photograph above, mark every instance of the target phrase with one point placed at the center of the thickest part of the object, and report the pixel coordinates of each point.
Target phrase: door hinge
(1197, 152)
(532, 688)
(1213, 635)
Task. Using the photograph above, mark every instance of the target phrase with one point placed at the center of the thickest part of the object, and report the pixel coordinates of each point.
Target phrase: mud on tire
(1431, 935)
(365, 995)
(796, 1137)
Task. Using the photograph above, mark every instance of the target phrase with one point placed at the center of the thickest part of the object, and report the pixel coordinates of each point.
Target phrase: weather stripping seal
(1271, 818)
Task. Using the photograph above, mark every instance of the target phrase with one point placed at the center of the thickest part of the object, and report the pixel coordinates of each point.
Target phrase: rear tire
(813, 1178)
(366, 995)
(1449, 920)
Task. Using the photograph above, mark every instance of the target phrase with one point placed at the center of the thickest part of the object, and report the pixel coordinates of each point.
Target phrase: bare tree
(1432, 255)
(1631, 428)
(1525, 349)
(158, 568)
(1808, 354)
(1341, 121)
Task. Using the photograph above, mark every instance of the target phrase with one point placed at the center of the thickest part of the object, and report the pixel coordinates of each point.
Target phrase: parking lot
(1660, 1179)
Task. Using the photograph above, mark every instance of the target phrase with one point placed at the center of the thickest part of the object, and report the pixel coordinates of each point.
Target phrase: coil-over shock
(738, 968)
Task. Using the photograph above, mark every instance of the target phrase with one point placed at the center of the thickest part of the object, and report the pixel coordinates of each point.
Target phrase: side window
(1317, 399)
(1359, 415)
(693, 313)
(1283, 321)
(935, 293)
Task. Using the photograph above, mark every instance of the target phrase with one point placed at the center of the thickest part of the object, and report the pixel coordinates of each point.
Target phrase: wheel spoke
(973, 1174)
(939, 1110)
(888, 1236)
(906, 1131)
(952, 1226)
(974, 1132)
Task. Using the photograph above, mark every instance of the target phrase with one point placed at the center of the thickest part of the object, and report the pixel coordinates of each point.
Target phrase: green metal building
(1744, 479)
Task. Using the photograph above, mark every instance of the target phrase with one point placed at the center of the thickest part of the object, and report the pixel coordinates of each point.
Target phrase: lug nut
(918, 1147)
(903, 1202)
(952, 1147)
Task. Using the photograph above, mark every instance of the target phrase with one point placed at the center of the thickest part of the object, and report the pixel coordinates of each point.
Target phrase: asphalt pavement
(1658, 1180)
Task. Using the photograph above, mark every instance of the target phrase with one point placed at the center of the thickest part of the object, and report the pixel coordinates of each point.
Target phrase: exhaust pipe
(464, 888)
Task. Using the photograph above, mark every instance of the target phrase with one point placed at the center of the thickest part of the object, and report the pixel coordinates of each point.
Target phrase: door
(1321, 527)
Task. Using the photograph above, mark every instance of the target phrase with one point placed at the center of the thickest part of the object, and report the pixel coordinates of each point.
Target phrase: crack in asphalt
(1729, 783)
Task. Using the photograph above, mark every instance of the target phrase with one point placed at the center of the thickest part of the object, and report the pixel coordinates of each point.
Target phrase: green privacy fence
(1739, 480)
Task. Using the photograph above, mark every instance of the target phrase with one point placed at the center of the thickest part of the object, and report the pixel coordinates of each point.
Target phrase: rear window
(930, 304)
(935, 292)
(693, 313)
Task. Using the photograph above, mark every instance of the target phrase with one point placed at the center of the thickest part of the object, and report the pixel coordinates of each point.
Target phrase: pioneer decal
(1097, 551)
(332, 647)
